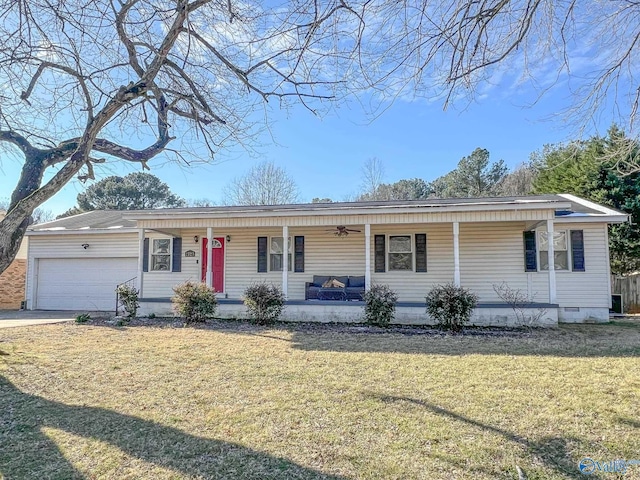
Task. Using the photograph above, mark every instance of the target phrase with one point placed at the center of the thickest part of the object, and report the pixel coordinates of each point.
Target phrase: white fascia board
(593, 218)
(381, 210)
(95, 231)
(592, 205)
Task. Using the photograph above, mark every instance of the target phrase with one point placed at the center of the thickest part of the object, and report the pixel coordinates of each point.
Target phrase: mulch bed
(243, 325)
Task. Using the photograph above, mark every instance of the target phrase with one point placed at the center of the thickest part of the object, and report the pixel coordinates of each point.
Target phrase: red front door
(218, 263)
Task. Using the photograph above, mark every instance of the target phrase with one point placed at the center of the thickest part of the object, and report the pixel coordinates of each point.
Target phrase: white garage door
(81, 283)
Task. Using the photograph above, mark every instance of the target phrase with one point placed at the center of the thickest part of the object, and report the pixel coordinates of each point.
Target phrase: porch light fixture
(85, 245)
(228, 238)
(195, 239)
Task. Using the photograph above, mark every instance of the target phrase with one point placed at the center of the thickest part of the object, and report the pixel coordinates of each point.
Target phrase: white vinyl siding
(490, 253)
(324, 254)
(160, 284)
(112, 245)
(493, 253)
(413, 286)
(327, 254)
(589, 288)
(322, 221)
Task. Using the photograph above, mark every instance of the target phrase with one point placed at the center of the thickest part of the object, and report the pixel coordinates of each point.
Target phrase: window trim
(151, 254)
(290, 253)
(388, 251)
(569, 250)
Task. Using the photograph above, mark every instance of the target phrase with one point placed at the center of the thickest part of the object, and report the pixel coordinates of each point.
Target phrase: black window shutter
(577, 250)
(421, 252)
(298, 261)
(530, 254)
(262, 254)
(177, 255)
(145, 255)
(380, 253)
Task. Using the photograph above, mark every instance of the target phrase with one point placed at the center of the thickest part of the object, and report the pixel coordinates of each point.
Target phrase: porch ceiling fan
(342, 231)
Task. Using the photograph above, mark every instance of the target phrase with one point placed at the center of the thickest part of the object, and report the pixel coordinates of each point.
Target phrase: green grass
(238, 401)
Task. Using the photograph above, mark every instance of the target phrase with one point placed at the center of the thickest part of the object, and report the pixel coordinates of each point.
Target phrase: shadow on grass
(629, 421)
(27, 453)
(565, 341)
(553, 452)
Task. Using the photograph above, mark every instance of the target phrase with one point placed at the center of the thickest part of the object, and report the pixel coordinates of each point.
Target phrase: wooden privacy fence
(629, 288)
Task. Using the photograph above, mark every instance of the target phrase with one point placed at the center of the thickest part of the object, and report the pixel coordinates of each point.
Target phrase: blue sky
(413, 137)
(325, 155)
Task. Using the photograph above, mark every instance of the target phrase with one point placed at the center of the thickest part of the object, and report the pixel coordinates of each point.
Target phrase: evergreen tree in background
(589, 169)
(136, 191)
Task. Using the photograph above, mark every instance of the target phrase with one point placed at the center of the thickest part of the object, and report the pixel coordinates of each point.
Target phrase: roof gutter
(87, 231)
(351, 210)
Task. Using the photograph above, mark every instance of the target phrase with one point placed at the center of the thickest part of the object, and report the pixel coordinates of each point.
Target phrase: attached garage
(75, 263)
(81, 283)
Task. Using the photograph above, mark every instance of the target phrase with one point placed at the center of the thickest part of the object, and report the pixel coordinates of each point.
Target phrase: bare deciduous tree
(264, 184)
(518, 182)
(92, 81)
(372, 177)
(39, 215)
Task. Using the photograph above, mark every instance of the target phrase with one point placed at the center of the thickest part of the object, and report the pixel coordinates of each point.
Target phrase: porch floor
(360, 303)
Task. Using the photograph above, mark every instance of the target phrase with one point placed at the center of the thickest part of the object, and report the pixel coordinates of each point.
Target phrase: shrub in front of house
(128, 297)
(83, 318)
(380, 305)
(194, 301)
(264, 302)
(451, 306)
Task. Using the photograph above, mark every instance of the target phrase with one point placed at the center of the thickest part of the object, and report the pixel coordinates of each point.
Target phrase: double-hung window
(160, 255)
(560, 250)
(276, 254)
(400, 252)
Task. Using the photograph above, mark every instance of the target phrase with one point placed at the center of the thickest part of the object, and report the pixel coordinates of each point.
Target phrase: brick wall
(12, 285)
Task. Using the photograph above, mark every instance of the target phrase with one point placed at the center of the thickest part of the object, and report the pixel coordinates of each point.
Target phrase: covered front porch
(407, 313)
(408, 255)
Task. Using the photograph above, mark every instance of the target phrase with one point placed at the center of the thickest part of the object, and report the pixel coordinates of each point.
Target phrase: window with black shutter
(262, 254)
(145, 257)
(530, 254)
(577, 250)
(421, 252)
(379, 253)
(176, 264)
(298, 259)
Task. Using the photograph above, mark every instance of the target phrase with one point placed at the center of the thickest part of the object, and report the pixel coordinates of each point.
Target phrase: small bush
(380, 305)
(83, 318)
(128, 298)
(518, 301)
(451, 306)
(264, 302)
(151, 316)
(194, 301)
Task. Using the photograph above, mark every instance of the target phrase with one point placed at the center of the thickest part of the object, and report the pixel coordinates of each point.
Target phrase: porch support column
(367, 257)
(140, 260)
(456, 254)
(285, 260)
(552, 263)
(209, 273)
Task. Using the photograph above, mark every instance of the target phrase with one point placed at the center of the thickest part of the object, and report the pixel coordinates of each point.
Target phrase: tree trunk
(12, 229)
(28, 195)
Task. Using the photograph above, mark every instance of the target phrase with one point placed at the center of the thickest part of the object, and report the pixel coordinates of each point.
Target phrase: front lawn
(237, 401)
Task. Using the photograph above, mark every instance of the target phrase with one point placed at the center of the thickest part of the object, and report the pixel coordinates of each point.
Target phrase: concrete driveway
(22, 318)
